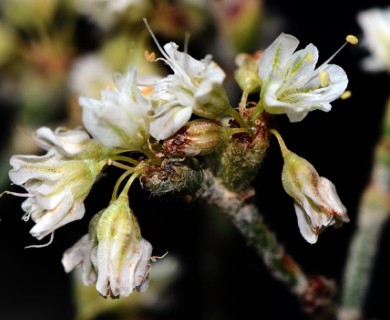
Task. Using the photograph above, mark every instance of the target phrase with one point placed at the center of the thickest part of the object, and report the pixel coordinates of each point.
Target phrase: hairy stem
(246, 217)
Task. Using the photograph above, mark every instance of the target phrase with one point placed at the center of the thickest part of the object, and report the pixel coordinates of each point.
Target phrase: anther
(150, 56)
(347, 94)
(352, 39)
(324, 78)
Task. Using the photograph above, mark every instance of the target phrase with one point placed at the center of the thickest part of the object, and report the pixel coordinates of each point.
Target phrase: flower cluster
(157, 132)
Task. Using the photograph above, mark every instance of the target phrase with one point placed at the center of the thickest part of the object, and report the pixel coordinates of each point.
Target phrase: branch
(315, 293)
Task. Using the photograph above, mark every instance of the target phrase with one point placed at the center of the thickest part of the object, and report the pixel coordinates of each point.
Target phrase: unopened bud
(317, 204)
(123, 256)
(247, 73)
(197, 137)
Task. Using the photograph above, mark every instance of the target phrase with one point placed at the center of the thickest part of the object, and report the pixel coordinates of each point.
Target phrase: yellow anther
(150, 56)
(310, 57)
(146, 91)
(352, 39)
(324, 78)
(347, 94)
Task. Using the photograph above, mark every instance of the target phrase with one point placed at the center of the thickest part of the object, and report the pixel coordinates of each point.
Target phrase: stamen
(17, 194)
(149, 56)
(146, 91)
(347, 94)
(352, 39)
(154, 258)
(349, 39)
(26, 216)
(324, 78)
(42, 245)
(156, 41)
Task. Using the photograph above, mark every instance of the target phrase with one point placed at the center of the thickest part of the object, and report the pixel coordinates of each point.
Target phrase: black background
(223, 278)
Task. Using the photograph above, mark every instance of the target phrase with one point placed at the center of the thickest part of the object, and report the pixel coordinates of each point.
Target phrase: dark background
(223, 278)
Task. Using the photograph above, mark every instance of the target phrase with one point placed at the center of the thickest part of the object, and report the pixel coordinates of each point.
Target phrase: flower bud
(317, 204)
(123, 256)
(247, 73)
(198, 137)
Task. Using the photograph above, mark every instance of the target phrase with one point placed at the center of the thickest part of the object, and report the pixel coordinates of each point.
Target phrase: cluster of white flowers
(131, 119)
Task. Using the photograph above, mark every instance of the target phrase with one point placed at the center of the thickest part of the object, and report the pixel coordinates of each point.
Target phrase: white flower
(113, 255)
(316, 202)
(56, 188)
(119, 118)
(292, 85)
(194, 87)
(169, 114)
(375, 24)
(123, 256)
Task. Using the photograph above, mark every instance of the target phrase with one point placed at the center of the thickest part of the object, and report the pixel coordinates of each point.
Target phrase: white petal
(301, 65)
(70, 142)
(213, 78)
(102, 262)
(328, 192)
(26, 168)
(50, 220)
(168, 124)
(119, 118)
(143, 267)
(79, 255)
(275, 55)
(304, 225)
(73, 257)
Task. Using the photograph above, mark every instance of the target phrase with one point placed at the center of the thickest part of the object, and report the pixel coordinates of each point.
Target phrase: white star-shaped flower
(290, 83)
